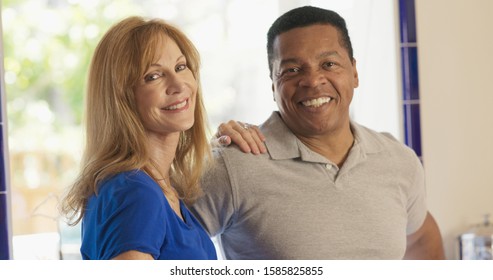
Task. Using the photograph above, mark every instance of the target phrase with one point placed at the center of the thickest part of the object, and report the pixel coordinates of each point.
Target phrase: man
(327, 188)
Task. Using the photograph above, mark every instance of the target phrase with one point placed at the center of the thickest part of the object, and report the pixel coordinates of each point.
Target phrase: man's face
(313, 80)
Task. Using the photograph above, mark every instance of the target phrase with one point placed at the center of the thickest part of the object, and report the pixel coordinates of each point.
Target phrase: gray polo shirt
(293, 203)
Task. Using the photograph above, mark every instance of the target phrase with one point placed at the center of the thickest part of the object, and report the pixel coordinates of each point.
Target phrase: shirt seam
(233, 188)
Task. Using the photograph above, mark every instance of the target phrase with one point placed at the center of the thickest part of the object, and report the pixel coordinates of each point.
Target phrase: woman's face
(166, 94)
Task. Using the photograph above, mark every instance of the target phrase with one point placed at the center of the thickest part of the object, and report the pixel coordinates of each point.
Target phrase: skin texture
(310, 64)
(167, 82)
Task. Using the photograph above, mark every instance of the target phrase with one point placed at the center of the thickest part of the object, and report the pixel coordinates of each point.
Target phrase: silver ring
(246, 126)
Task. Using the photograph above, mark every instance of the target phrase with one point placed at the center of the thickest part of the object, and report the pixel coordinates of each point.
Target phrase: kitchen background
(425, 69)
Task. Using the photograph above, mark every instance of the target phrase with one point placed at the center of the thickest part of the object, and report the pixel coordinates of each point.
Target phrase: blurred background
(47, 46)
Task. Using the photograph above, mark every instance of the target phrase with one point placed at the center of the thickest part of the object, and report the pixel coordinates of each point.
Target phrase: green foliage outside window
(47, 47)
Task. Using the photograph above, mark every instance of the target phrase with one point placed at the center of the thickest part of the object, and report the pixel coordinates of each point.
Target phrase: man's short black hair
(305, 16)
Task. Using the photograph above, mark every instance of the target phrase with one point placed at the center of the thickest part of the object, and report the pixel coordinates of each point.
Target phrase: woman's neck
(162, 151)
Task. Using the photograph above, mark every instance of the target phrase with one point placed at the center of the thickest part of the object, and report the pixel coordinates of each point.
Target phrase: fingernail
(223, 140)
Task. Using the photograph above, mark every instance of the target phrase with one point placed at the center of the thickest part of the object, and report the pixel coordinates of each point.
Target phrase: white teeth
(316, 102)
(177, 106)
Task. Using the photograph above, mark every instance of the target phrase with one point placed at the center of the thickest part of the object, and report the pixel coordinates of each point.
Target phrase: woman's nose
(175, 84)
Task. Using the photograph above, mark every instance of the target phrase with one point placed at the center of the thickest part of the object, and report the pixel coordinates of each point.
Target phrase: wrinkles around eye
(288, 72)
(152, 77)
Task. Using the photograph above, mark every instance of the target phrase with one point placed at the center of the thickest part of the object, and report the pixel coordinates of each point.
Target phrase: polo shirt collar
(283, 144)
(366, 139)
(280, 141)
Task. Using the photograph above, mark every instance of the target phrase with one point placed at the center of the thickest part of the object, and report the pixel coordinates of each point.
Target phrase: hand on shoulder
(248, 137)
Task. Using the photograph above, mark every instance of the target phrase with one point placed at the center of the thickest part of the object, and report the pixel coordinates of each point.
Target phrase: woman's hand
(248, 137)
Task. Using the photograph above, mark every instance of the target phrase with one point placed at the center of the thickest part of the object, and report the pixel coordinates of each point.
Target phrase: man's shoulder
(228, 151)
(381, 137)
(232, 153)
(375, 140)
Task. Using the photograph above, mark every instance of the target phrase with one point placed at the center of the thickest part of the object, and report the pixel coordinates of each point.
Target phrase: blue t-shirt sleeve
(131, 216)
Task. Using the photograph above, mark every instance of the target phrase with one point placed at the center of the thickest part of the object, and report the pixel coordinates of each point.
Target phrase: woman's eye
(152, 77)
(181, 67)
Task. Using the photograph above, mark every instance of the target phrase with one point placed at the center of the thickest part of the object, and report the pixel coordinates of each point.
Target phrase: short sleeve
(131, 216)
(416, 203)
(215, 209)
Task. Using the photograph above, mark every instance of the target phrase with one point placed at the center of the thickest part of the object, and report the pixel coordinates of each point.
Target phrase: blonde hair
(115, 137)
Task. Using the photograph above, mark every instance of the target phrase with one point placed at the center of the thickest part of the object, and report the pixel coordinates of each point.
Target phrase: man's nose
(312, 78)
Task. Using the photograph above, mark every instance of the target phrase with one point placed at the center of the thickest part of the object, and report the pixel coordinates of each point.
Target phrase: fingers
(223, 141)
(240, 135)
(248, 137)
(258, 138)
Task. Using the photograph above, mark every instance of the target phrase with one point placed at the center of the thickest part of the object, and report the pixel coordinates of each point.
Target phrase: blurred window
(48, 45)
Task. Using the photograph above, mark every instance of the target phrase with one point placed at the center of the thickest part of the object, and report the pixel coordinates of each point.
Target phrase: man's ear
(273, 95)
(355, 70)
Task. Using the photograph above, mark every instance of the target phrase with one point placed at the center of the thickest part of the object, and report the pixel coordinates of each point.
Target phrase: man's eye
(289, 71)
(329, 64)
(152, 77)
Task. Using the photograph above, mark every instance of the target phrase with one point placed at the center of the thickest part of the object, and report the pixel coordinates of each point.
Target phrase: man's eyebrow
(327, 54)
(319, 56)
(289, 60)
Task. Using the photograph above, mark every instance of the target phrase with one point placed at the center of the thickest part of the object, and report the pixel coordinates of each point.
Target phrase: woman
(146, 147)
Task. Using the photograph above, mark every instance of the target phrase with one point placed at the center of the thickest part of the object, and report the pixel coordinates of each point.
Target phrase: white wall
(373, 29)
(455, 45)
(243, 90)
(377, 101)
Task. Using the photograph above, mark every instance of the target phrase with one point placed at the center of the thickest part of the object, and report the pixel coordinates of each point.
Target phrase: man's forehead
(320, 40)
(324, 27)
(313, 34)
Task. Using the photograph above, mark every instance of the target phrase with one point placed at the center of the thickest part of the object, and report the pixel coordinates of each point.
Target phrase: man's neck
(333, 146)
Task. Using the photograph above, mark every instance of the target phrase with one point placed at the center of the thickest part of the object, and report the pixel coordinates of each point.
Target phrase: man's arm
(215, 208)
(426, 242)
